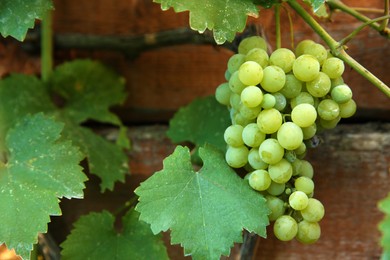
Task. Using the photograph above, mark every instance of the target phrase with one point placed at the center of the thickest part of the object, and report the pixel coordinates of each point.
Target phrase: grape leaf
(86, 87)
(315, 4)
(384, 226)
(94, 237)
(205, 210)
(225, 18)
(40, 170)
(17, 16)
(204, 120)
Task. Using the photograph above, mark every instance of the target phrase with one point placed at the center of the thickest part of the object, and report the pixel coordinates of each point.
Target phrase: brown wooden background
(351, 167)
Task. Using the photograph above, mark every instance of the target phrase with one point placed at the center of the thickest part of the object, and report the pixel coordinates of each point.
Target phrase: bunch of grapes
(277, 104)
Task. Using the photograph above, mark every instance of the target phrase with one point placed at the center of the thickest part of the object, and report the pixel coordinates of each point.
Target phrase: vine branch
(337, 49)
(277, 26)
(386, 13)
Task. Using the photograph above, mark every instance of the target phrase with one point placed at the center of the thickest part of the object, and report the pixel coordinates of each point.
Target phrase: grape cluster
(277, 104)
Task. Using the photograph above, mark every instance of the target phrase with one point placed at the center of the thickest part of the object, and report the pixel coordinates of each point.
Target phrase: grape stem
(46, 46)
(386, 21)
(277, 27)
(337, 49)
(383, 30)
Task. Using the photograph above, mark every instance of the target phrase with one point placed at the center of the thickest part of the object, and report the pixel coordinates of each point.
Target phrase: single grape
(281, 171)
(298, 200)
(309, 132)
(269, 120)
(301, 150)
(281, 101)
(276, 206)
(271, 151)
(252, 136)
(306, 169)
(235, 101)
(341, 93)
(283, 58)
(347, 109)
(233, 135)
(222, 94)
(304, 115)
(237, 157)
(329, 124)
(285, 228)
(318, 51)
(234, 62)
(259, 180)
(239, 119)
(320, 86)
(292, 87)
(336, 82)
(250, 113)
(290, 136)
(273, 79)
(333, 67)
(304, 184)
(269, 101)
(306, 68)
(308, 232)
(255, 161)
(235, 83)
(227, 75)
(302, 98)
(290, 156)
(276, 189)
(250, 43)
(314, 211)
(250, 73)
(303, 45)
(251, 96)
(258, 55)
(328, 109)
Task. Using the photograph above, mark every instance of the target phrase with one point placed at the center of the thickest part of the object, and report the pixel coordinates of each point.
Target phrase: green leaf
(17, 16)
(225, 18)
(88, 89)
(203, 121)
(315, 4)
(40, 170)
(94, 237)
(384, 226)
(205, 210)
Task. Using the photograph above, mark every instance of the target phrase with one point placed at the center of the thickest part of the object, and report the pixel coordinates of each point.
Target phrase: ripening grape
(283, 58)
(250, 73)
(252, 136)
(304, 115)
(318, 51)
(309, 132)
(347, 109)
(250, 43)
(320, 86)
(273, 79)
(306, 67)
(285, 228)
(308, 232)
(251, 96)
(235, 62)
(276, 189)
(290, 136)
(303, 45)
(249, 112)
(258, 55)
(271, 151)
(280, 101)
(233, 135)
(276, 205)
(269, 101)
(222, 94)
(255, 161)
(302, 98)
(269, 120)
(292, 87)
(281, 171)
(328, 109)
(314, 211)
(235, 83)
(259, 180)
(341, 93)
(237, 157)
(304, 184)
(298, 200)
(333, 67)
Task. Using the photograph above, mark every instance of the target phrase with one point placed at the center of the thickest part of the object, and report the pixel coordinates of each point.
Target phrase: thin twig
(386, 13)
(277, 27)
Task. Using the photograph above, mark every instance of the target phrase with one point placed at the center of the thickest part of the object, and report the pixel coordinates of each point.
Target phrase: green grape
(255, 161)
(292, 87)
(320, 86)
(239, 119)
(227, 75)
(304, 115)
(314, 211)
(347, 109)
(290, 156)
(298, 200)
(235, 101)
(303, 45)
(252, 136)
(258, 55)
(269, 120)
(276, 206)
(306, 68)
(222, 94)
(259, 180)
(336, 82)
(233, 135)
(309, 132)
(237, 157)
(304, 184)
(250, 43)
(290, 136)
(249, 113)
(283, 58)
(333, 67)
(341, 94)
(281, 171)
(271, 151)
(306, 169)
(273, 79)
(318, 51)
(301, 150)
(302, 98)
(296, 166)
(235, 84)
(285, 228)
(328, 109)
(329, 124)
(281, 101)
(250, 73)
(235, 61)
(308, 232)
(269, 101)
(251, 96)
(276, 189)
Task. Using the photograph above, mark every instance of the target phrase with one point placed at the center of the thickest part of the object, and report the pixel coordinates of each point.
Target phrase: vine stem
(336, 4)
(46, 46)
(337, 49)
(277, 27)
(384, 24)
